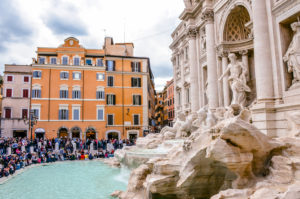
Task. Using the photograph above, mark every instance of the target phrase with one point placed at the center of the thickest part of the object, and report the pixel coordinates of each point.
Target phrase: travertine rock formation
(233, 160)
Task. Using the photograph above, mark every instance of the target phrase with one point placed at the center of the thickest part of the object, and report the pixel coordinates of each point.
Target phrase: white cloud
(148, 23)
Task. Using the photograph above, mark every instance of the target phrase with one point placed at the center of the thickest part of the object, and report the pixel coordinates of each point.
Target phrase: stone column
(212, 78)
(245, 61)
(262, 53)
(226, 90)
(192, 33)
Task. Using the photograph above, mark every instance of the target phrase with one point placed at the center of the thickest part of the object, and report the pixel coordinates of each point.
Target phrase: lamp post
(31, 122)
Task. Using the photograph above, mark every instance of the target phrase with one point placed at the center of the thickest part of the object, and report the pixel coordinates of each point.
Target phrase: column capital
(208, 15)
(243, 52)
(192, 32)
(222, 53)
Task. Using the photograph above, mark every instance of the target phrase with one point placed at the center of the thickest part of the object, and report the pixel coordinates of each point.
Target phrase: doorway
(75, 132)
(19, 133)
(91, 134)
(113, 135)
(63, 133)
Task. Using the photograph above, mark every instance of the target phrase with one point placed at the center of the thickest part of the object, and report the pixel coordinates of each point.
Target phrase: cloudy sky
(27, 24)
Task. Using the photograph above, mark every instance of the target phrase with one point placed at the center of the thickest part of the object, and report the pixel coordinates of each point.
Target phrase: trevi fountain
(236, 67)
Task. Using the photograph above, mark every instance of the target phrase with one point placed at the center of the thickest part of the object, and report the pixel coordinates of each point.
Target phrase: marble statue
(292, 55)
(237, 80)
(187, 127)
(206, 119)
(178, 123)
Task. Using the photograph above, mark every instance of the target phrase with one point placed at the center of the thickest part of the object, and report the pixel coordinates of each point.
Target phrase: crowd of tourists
(17, 153)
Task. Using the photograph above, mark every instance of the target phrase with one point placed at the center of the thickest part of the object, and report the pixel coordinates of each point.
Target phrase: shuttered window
(37, 74)
(76, 75)
(99, 62)
(36, 93)
(63, 94)
(135, 82)
(110, 81)
(135, 66)
(8, 92)
(100, 95)
(110, 65)
(137, 100)
(63, 114)
(25, 93)
(110, 119)
(76, 61)
(76, 114)
(136, 120)
(24, 113)
(110, 99)
(76, 94)
(64, 75)
(9, 78)
(7, 113)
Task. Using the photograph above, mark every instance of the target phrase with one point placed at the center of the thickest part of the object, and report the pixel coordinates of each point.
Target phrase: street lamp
(31, 122)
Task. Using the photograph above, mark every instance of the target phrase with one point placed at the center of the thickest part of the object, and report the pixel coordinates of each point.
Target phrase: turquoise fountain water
(66, 180)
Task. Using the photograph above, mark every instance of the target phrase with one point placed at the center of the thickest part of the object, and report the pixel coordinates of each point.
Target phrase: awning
(39, 130)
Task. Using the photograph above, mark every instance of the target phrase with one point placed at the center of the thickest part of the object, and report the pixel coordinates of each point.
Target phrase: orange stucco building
(97, 93)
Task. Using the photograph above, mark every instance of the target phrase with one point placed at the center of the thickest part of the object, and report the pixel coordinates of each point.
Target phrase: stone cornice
(190, 12)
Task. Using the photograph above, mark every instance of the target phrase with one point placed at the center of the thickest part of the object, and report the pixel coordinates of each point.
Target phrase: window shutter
(139, 82)
(67, 94)
(40, 73)
(73, 94)
(132, 66)
(139, 66)
(114, 65)
(73, 75)
(131, 82)
(59, 114)
(79, 94)
(79, 75)
(107, 99)
(106, 65)
(67, 75)
(114, 100)
(140, 100)
(67, 114)
(112, 81)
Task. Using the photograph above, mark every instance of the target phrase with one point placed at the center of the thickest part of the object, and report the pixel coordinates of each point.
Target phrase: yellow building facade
(91, 93)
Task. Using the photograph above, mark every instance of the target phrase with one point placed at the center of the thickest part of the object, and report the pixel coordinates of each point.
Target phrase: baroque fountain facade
(236, 70)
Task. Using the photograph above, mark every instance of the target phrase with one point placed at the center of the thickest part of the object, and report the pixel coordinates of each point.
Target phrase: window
(9, 78)
(76, 113)
(136, 119)
(36, 113)
(63, 114)
(8, 113)
(110, 99)
(100, 95)
(100, 114)
(110, 65)
(63, 93)
(99, 62)
(135, 82)
(100, 76)
(76, 61)
(36, 93)
(53, 60)
(179, 98)
(25, 93)
(24, 113)
(188, 95)
(26, 79)
(135, 66)
(37, 74)
(65, 60)
(110, 120)
(76, 75)
(88, 62)
(64, 75)
(110, 81)
(42, 60)
(8, 92)
(137, 100)
(76, 93)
